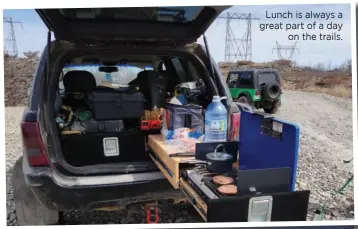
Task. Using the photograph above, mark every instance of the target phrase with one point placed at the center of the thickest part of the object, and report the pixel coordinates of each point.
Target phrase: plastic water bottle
(216, 121)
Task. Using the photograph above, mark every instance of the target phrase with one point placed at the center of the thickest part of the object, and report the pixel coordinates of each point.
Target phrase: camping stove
(201, 179)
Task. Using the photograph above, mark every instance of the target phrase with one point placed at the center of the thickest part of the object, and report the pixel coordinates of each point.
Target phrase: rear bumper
(74, 193)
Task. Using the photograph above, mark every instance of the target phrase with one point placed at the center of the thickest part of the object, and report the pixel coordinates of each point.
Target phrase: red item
(155, 124)
(152, 215)
(145, 125)
(235, 127)
(150, 125)
(167, 116)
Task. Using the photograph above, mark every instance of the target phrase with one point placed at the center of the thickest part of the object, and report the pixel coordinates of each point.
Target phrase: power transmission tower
(10, 44)
(287, 48)
(238, 49)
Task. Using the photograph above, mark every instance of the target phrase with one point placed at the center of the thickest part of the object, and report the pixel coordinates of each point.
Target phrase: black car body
(50, 185)
(45, 182)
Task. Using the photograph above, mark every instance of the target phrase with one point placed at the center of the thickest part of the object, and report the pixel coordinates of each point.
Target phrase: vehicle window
(193, 71)
(179, 69)
(232, 81)
(185, 70)
(245, 79)
(125, 74)
(266, 78)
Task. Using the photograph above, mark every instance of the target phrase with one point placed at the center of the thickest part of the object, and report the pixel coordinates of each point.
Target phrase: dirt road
(325, 140)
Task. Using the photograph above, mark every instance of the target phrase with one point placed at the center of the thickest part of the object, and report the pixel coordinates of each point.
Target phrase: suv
(259, 88)
(50, 178)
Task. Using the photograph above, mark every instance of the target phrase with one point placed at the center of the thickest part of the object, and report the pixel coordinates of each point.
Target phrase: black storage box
(93, 126)
(88, 149)
(111, 105)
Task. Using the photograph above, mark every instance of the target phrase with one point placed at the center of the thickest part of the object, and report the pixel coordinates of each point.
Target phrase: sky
(33, 33)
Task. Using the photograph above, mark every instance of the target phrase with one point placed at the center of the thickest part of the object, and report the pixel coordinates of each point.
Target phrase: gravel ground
(325, 141)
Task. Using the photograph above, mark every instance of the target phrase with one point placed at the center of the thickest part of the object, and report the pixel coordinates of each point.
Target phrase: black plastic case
(111, 105)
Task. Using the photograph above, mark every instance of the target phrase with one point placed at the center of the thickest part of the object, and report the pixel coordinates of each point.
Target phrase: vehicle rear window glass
(193, 71)
(180, 14)
(233, 77)
(179, 69)
(232, 80)
(125, 74)
(264, 78)
(245, 79)
(185, 70)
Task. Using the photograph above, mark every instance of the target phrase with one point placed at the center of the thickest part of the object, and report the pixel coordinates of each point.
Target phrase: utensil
(219, 162)
(183, 154)
(195, 161)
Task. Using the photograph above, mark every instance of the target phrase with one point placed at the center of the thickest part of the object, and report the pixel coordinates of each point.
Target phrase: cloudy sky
(32, 36)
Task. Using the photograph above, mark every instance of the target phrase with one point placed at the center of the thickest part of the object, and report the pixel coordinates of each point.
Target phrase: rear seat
(78, 82)
(153, 85)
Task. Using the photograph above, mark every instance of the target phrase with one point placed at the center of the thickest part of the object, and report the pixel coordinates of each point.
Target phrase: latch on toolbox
(260, 209)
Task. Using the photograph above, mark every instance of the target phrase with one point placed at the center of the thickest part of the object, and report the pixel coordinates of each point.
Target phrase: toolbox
(265, 177)
(107, 104)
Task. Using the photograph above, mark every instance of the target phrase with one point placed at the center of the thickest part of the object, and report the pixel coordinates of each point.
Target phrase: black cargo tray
(276, 196)
(288, 206)
(285, 206)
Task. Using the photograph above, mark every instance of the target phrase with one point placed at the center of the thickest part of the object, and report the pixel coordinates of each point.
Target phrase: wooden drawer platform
(169, 166)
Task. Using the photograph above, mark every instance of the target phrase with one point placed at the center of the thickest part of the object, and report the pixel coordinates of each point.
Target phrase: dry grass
(18, 78)
(283, 62)
(338, 91)
(339, 86)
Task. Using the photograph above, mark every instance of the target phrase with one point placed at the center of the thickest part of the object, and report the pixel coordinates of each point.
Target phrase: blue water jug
(216, 121)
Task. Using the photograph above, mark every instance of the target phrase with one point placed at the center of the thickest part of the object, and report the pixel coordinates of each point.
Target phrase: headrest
(147, 73)
(79, 81)
(142, 78)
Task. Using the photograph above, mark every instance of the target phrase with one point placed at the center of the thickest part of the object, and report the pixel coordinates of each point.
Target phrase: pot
(219, 162)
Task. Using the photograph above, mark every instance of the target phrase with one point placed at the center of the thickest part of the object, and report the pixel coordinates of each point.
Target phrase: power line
(238, 49)
(287, 48)
(10, 44)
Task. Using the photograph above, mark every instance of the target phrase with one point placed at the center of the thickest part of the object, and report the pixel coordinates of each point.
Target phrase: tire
(272, 110)
(271, 91)
(29, 211)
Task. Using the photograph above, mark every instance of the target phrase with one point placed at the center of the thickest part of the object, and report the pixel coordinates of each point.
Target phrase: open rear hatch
(183, 24)
(153, 25)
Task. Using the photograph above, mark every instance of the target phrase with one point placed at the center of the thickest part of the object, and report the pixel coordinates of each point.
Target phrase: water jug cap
(216, 98)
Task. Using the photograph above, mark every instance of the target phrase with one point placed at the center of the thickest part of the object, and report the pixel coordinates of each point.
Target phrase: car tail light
(257, 92)
(33, 145)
